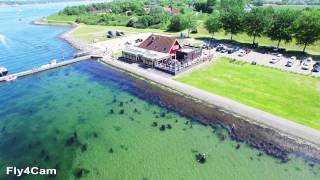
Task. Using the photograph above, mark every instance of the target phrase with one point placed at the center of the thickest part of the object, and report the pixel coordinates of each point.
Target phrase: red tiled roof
(158, 43)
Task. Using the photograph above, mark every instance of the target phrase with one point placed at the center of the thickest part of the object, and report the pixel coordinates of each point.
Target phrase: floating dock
(46, 67)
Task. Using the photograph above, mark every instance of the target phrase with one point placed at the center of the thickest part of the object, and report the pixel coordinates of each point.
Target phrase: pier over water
(47, 67)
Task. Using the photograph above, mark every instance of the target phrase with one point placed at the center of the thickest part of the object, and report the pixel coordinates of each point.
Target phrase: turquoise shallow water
(88, 120)
(89, 117)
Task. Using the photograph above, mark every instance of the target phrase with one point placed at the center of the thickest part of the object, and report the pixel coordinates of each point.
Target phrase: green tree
(257, 2)
(210, 5)
(280, 28)
(213, 23)
(307, 28)
(232, 16)
(177, 23)
(191, 22)
(256, 22)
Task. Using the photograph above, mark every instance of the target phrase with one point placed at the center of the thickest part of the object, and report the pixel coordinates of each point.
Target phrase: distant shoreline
(12, 3)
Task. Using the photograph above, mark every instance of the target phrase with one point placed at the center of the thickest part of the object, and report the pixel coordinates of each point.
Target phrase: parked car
(316, 68)
(224, 50)
(307, 64)
(291, 61)
(233, 50)
(219, 49)
(128, 43)
(276, 59)
(205, 46)
(138, 40)
(242, 53)
(247, 51)
(316, 64)
(279, 50)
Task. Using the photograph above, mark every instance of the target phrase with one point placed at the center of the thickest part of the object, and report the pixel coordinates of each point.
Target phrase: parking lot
(264, 59)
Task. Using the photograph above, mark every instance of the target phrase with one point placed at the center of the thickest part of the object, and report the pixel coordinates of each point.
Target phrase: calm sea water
(90, 122)
(24, 45)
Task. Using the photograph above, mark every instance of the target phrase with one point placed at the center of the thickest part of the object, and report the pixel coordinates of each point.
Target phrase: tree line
(281, 25)
(232, 16)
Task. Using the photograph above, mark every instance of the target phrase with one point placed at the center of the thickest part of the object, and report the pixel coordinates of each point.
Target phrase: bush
(177, 23)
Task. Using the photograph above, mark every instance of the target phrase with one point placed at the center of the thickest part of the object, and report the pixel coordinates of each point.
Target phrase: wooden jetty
(46, 67)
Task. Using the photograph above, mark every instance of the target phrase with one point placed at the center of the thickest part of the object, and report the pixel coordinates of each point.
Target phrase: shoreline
(66, 36)
(275, 141)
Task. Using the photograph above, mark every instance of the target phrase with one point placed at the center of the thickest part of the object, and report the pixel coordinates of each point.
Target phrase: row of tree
(278, 25)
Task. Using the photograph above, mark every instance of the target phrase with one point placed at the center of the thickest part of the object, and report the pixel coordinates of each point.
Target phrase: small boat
(3, 71)
(11, 78)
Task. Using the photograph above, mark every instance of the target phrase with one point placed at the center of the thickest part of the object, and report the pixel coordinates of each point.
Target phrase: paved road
(283, 125)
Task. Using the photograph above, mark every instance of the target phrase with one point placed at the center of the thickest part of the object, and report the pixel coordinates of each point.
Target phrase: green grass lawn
(55, 18)
(292, 96)
(88, 33)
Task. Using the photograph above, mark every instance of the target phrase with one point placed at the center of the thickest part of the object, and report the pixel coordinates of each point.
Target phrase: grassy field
(61, 19)
(90, 33)
(292, 96)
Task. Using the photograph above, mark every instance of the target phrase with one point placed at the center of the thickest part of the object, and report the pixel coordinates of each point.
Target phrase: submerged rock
(70, 141)
(111, 111)
(110, 150)
(163, 114)
(121, 104)
(47, 158)
(121, 111)
(162, 127)
(154, 124)
(75, 134)
(95, 135)
(221, 136)
(237, 146)
(84, 147)
(201, 158)
(169, 126)
(80, 172)
(135, 110)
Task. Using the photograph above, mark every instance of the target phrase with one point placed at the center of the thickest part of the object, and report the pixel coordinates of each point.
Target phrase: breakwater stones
(239, 128)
